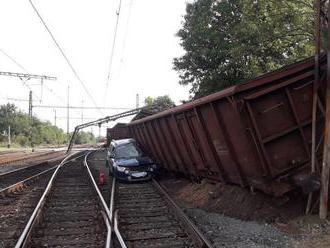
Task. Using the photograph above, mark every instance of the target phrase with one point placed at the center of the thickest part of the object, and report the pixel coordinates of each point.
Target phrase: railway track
(13, 177)
(145, 216)
(27, 158)
(16, 209)
(146, 219)
(70, 212)
(18, 201)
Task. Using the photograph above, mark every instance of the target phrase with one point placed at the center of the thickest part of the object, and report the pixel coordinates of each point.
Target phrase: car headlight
(121, 169)
(126, 171)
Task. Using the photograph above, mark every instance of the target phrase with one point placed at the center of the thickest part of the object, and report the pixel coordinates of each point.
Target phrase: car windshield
(128, 151)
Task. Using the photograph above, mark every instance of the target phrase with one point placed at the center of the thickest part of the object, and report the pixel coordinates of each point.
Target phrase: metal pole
(326, 150)
(41, 88)
(68, 112)
(30, 104)
(315, 89)
(82, 111)
(9, 138)
(55, 117)
(99, 130)
(137, 100)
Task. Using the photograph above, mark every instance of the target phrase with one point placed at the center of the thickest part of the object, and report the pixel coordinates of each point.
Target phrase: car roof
(122, 142)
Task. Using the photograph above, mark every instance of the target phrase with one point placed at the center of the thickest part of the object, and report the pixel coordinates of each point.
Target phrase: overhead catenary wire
(13, 60)
(65, 57)
(56, 95)
(24, 69)
(24, 83)
(125, 35)
(112, 53)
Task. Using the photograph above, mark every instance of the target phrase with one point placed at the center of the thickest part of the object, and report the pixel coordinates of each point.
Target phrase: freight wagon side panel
(199, 117)
(170, 144)
(281, 119)
(182, 148)
(239, 156)
(257, 133)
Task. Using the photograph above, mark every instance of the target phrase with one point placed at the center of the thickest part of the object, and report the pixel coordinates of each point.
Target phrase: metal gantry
(101, 121)
(24, 77)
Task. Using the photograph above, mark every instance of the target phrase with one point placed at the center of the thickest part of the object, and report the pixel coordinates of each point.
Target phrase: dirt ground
(235, 217)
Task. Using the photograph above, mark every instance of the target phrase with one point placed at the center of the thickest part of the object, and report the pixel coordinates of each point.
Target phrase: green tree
(148, 101)
(28, 131)
(85, 138)
(155, 105)
(230, 41)
(159, 103)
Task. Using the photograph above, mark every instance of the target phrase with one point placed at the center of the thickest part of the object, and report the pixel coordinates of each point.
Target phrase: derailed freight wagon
(254, 134)
(119, 131)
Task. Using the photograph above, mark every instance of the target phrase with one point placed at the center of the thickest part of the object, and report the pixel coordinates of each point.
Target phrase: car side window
(112, 150)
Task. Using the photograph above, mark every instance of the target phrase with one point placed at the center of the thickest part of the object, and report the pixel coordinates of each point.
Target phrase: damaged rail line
(144, 215)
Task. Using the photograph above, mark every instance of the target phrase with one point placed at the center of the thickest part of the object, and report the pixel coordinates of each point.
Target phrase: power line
(15, 99)
(19, 65)
(26, 75)
(125, 34)
(24, 69)
(13, 60)
(78, 107)
(74, 118)
(24, 83)
(64, 56)
(112, 52)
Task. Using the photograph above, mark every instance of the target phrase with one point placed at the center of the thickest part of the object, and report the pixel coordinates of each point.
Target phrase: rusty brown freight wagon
(119, 131)
(254, 134)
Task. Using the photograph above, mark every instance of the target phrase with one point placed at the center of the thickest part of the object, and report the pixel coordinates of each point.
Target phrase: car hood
(133, 161)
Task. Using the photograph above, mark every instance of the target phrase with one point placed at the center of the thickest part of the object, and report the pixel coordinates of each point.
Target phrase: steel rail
(114, 215)
(112, 198)
(29, 166)
(22, 183)
(117, 232)
(31, 156)
(27, 230)
(190, 226)
(107, 222)
(103, 203)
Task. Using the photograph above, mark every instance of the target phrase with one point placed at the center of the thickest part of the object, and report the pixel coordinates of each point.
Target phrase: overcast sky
(142, 62)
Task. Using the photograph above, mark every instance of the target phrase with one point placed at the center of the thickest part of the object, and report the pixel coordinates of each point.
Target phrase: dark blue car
(127, 162)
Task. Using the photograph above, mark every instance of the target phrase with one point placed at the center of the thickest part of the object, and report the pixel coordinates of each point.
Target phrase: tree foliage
(85, 138)
(230, 41)
(26, 131)
(154, 105)
(160, 103)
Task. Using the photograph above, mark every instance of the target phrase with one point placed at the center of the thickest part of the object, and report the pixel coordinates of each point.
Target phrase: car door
(111, 156)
